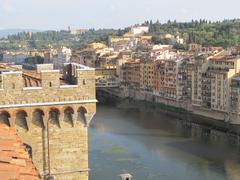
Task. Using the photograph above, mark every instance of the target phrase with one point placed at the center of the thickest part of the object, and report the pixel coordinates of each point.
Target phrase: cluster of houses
(205, 80)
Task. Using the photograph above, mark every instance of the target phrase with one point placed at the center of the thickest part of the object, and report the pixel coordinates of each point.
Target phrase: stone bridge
(52, 119)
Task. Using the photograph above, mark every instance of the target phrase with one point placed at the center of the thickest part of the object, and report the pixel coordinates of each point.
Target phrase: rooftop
(224, 58)
(14, 160)
(8, 68)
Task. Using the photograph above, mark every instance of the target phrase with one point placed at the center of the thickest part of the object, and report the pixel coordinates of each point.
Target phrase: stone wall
(52, 120)
(14, 92)
(136, 94)
(68, 138)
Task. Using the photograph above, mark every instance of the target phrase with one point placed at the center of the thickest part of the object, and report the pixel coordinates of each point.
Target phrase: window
(50, 84)
(13, 85)
(84, 82)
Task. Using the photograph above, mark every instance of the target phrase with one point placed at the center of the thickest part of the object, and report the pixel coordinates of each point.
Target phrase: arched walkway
(39, 128)
(37, 118)
(4, 118)
(54, 114)
(68, 116)
(21, 121)
(82, 115)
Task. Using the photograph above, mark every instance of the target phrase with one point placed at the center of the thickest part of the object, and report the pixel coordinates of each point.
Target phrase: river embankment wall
(197, 122)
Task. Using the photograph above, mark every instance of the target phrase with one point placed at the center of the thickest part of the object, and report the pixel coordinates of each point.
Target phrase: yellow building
(147, 76)
(115, 39)
(40, 53)
(119, 42)
(146, 38)
(211, 81)
(221, 71)
(97, 46)
(200, 81)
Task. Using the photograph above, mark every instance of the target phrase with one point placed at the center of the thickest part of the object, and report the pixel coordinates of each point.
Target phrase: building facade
(63, 56)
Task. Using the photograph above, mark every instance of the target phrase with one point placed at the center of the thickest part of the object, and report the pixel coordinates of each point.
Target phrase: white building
(139, 30)
(78, 31)
(15, 58)
(160, 52)
(179, 40)
(63, 56)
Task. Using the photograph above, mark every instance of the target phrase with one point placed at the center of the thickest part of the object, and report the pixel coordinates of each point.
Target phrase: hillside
(6, 32)
(221, 33)
(225, 33)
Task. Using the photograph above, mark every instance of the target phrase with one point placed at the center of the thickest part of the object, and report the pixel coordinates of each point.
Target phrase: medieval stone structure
(51, 110)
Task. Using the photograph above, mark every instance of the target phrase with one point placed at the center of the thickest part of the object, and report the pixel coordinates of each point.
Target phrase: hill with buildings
(39, 40)
(221, 33)
(4, 33)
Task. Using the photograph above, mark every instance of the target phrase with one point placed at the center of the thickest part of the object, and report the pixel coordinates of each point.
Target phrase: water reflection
(151, 146)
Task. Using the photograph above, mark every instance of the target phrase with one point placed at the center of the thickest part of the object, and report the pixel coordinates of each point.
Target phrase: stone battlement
(75, 83)
(50, 111)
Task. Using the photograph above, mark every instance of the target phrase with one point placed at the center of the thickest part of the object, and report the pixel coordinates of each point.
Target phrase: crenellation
(52, 119)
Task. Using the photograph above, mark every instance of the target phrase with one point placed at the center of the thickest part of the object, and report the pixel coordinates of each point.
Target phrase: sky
(59, 14)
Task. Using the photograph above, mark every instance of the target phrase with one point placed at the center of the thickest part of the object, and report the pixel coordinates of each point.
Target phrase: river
(151, 146)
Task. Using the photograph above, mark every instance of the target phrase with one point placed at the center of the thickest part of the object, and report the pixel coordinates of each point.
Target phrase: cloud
(184, 11)
(7, 6)
(112, 7)
(147, 10)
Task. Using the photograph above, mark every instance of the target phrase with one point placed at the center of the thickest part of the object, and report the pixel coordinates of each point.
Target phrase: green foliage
(180, 46)
(26, 40)
(34, 60)
(1, 56)
(225, 33)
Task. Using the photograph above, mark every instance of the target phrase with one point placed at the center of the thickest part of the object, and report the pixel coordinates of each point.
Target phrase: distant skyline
(59, 14)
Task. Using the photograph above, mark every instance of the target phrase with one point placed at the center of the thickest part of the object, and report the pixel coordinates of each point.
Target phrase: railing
(107, 85)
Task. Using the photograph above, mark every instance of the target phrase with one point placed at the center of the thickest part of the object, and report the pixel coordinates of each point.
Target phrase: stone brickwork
(52, 119)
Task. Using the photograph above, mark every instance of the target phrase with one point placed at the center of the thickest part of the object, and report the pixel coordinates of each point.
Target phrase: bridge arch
(54, 115)
(68, 115)
(21, 120)
(82, 111)
(4, 118)
(37, 118)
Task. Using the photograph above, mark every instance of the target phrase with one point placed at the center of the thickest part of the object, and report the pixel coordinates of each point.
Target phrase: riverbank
(123, 92)
(197, 126)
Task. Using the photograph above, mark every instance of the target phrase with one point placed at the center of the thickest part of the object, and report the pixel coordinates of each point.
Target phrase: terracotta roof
(224, 58)
(15, 163)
